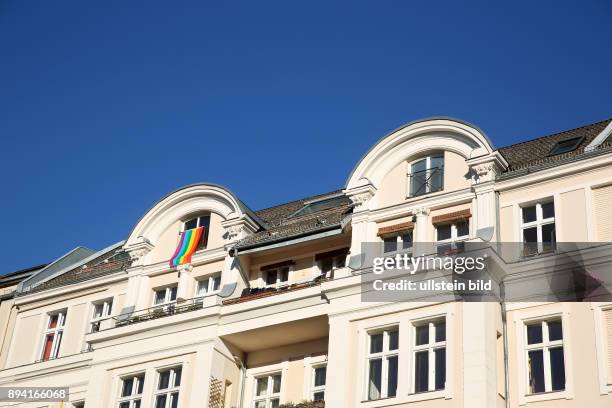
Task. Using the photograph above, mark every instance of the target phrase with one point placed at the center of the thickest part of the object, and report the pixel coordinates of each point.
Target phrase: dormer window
(201, 221)
(426, 175)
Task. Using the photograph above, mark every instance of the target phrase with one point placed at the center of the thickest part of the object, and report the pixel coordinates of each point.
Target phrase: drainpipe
(505, 334)
(242, 380)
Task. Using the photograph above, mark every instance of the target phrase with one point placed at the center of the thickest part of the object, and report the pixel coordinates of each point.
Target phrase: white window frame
(428, 170)
(603, 354)
(133, 397)
(431, 346)
(269, 395)
(172, 389)
(539, 222)
(454, 234)
(338, 261)
(521, 316)
(167, 297)
(209, 281)
(107, 305)
(57, 331)
(384, 355)
(314, 389)
(545, 346)
(199, 223)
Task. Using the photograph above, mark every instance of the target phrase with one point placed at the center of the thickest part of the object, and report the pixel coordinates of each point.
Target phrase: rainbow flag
(187, 246)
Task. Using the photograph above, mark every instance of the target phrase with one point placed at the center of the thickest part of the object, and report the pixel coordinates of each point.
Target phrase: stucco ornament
(360, 196)
(139, 250)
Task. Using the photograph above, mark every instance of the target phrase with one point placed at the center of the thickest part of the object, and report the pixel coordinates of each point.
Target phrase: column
(182, 291)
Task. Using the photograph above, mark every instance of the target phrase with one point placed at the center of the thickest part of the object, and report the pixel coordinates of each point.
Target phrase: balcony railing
(257, 293)
(426, 181)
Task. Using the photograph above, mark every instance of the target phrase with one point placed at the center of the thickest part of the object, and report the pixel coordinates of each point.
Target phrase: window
(101, 311)
(319, 378)
(565, 146)
(382, 363)
(426, 175)
(429, 356)
(167, 390)
(202, 221)
(208, 285)
(276, 277)
(607, 317)
(538, 228)
(393, 243)
(320, 205)
(53, 335)
(165, 296)
(267, 391)
(327, 262)
(544, 353)
(449, 237)
(131, 391)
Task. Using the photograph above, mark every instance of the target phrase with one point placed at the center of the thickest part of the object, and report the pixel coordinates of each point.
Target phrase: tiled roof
(536, 152)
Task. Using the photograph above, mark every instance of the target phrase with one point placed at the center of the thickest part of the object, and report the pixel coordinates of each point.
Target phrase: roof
(536, 152)
(284, 225)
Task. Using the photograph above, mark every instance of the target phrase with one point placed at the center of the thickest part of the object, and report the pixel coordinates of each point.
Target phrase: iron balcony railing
(426, 181)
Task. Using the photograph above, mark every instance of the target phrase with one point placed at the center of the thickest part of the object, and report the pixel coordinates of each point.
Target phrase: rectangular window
(401, 242)
(165, 296)
(429, 356)
(328, 264)
(426, 176)
(538, 228)
(450, 237)
(130, 395)
(167, 389)
(208, 285)
(52, 337)
(277, 277)
(544, 353)
(319, 378)
(101, 310)
(202, 221)
(267, 391)
(382, 363)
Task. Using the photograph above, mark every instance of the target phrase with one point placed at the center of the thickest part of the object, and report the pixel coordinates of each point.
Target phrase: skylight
(565, 146)
(317, 206)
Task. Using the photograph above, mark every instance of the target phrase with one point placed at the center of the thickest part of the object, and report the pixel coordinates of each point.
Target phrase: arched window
(200, 221)
(426, 175)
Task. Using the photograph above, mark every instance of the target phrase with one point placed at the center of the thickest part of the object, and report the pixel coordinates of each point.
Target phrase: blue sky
(107, 106)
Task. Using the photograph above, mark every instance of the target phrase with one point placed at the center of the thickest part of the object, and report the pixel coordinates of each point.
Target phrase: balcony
(258, 293)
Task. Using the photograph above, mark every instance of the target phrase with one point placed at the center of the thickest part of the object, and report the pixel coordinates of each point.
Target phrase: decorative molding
(138, 250)
(184, 268)
(238, 228)
(421, 211)
(360, 196)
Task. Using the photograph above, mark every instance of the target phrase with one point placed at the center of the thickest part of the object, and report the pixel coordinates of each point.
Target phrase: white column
(338, 388)
(184, 273)
(421, 232)
(479, 333)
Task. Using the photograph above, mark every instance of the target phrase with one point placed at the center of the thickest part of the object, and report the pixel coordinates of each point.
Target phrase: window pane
(320, 375)
(421, 371)
(422, 335)
(191, 224)
(463, 228)
(126, 389)
(174, 400)
(284, 275)
(260, 404)
(124, 405)
(444, 232)
(136, 404)
(164, 380)
(529, 214)
(393, 340)
(557, 368)
(437, 162)
(392, 377)
(318, 396)
(375, 375)
(98, 310)
(390, 244)
(530, 234)
(53, 321)
(418, 178)
(271, 278)
(274, 403)
(140, 384)
(436, 174)
(407, 241)
(178, 372)
(216, 283)
(555, 330)
(160, 296)
(173, 293)
(326, 265)
(536, 371)
(376, 343)
(202, 287)
(534, 333)
(276, 384)
(48, 347)
(160, 401)
(262, 386)
(548, 233)
(548, 210)
(440, 331)
(421, 165)
(440, 355)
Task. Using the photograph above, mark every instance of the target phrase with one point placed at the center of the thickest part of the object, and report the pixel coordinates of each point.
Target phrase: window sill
(408, 398)
(546, 396)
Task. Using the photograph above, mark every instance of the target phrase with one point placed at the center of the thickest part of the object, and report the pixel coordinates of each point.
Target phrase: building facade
(269, 308)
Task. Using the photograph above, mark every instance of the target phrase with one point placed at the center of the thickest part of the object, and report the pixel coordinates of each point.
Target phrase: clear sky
(106, 106)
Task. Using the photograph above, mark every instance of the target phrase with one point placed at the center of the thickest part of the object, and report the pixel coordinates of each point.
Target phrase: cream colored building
(270, 309)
